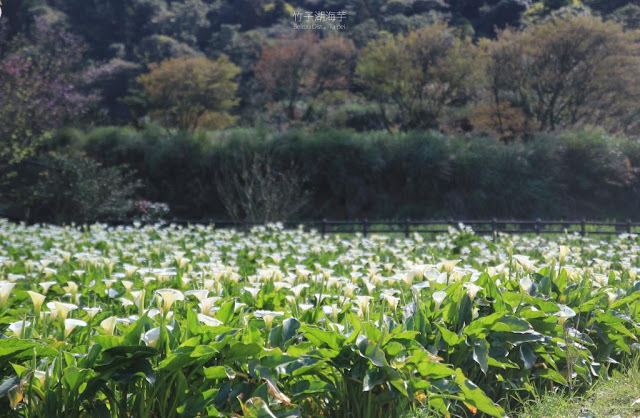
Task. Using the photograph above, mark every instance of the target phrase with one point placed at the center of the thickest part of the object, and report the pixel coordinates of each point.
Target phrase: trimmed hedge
(381, 175)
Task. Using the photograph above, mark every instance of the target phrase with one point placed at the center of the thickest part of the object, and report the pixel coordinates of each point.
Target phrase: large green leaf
(226, 311)
(481, 354)
(219, 372)
(322, 337)
(73, 377)
(197, 404)
(475, 396)
(527, 356)
(434, 370)
(369, 349)
(257, 408)
(242, 351)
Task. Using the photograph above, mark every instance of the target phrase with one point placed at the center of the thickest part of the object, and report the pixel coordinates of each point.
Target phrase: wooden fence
(409, 226)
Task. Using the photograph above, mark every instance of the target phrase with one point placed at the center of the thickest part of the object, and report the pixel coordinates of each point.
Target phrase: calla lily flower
(209, 321)
(46, 286)
(37, 300)
(70, 324)
(169, 297)
(267, 317)
(5, 291)
(109, 325)
(438, 298)
(151, 337)
(62, 309)
(565, 313)
(17, 327)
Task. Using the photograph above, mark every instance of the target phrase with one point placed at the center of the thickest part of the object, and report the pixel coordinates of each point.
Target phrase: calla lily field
(171, 321)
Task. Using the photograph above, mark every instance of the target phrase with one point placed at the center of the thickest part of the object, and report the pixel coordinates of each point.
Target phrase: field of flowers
(166, 322)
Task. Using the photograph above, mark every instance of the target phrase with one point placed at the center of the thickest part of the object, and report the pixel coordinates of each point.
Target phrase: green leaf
(74, 377)
(527, 355)
(394, 348)
(181, 358)
(511, 324)
(321, 337)
(481, 326)
(302, 366)
(481, 354)
(225, 313)
(303, 388)
(241, 351)
(272, 360)
(373, 378)
(290, 327)
(451, 338)
(256, 408)
(626, 300)
(219, 372)
(196, 405)
(517, 338)
(131, 336)
(551, 375)
(108, 341)
(476, 397)
(434, 370)
(369, 349)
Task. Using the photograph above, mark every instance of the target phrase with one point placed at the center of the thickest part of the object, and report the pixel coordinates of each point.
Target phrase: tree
(253, 188)
(103, 23)
(42, 87)
(75, 188)
(420, 74)
(628, 16)
(186, 21)
(294, 68)
(191, 92)
(565, 72)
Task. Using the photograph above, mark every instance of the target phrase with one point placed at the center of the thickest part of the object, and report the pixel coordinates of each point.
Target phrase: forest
(498, 77)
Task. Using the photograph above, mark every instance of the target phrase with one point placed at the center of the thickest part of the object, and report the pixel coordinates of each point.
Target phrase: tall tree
(566, 72)
(294, 68)
(191, 92)
(41, 87)
(420, 74)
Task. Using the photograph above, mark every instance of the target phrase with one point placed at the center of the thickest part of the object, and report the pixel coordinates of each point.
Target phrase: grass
(608, 398)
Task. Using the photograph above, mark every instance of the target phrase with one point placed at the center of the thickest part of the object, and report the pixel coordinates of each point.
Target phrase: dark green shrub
(75, 188)
(383, 175)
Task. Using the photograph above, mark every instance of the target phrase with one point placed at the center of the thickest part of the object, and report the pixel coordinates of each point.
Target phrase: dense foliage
(345, 175)
(196, 321)
(364, 120)
(290, 76)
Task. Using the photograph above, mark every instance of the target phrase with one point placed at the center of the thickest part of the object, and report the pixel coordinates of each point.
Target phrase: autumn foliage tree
(418, 75)
(563, 73)
(42, 86)
(191, 92)
(303, 67)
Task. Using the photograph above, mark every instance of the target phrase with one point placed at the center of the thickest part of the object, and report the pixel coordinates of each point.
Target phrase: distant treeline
(342, 174)
(496, 66)
(419, 108)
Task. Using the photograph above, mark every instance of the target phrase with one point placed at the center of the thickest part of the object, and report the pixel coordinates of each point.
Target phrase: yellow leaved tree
(191, 92)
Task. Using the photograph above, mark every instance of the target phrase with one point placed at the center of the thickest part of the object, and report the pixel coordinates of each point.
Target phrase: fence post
(323, 228)
(583, 227)
(628, 226)
(494, 227)
(365, 227)
(538, 226)
(407, 227)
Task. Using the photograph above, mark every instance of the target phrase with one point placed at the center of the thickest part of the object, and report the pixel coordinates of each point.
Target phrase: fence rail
(409, 226)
